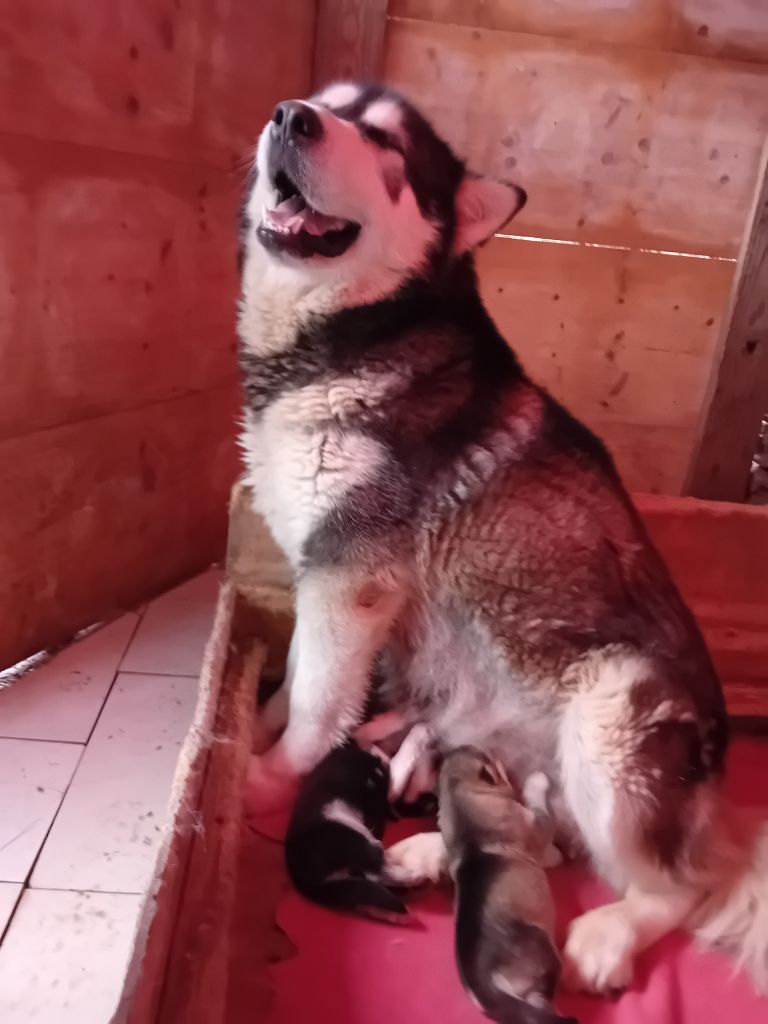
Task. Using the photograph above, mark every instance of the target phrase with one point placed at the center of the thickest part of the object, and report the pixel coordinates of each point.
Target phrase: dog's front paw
(600, 950)
(416, 860)
(267, 789)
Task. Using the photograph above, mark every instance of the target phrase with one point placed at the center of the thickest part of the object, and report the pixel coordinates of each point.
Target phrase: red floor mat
(348, 971)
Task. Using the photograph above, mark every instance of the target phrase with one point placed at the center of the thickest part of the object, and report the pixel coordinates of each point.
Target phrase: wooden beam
(349, 40)
(739, 384)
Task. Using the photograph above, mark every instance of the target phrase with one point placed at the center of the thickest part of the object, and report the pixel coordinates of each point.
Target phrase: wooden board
(614, 144)
(195, 989)
(122, 281)
(737, 29)
(99, 514)
(349, 40)
(738, 400)
(177, 81)
(712, 549)
(624, 339)
(122, 160)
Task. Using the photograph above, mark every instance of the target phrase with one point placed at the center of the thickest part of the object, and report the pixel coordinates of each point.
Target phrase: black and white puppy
(496, 848)
(333, 845)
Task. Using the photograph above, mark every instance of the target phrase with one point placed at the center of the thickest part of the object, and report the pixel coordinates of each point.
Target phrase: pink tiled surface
(174, 629)
(88, 747)
(64, 957)
(62, 698)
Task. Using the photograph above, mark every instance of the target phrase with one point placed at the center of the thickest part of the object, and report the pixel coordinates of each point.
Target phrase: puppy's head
(468, 767)
(354, 181)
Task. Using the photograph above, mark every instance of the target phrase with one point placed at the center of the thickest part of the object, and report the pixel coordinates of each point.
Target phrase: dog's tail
(734, 918)
(364, 896)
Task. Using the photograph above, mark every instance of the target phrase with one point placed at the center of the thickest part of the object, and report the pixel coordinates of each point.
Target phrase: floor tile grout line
(83, 892)
(115, 674)
(165, 675)
(43, 739)
(83, 748)
(36, 858)
(7, 927)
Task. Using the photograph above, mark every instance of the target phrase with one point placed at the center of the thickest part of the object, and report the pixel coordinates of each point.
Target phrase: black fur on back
(317, 848)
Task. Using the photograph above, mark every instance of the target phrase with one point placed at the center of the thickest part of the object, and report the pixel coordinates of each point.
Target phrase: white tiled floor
(174, 629)
(108, 830)
(64, 957)
(87, 756)
(9, 893)
(62, 698)
(33, 779)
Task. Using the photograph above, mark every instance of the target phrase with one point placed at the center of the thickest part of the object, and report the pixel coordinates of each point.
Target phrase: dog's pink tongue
(318, 223)
(287, 211)
(294, 215)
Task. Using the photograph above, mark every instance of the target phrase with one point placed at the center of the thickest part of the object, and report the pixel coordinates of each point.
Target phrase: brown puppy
(496, 847)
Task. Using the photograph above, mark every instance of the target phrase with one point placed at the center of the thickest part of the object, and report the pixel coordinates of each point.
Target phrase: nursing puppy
(444, 512)
(333, 845)
(495, 849)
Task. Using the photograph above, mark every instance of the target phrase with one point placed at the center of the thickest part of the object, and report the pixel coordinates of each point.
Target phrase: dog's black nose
(296, 121)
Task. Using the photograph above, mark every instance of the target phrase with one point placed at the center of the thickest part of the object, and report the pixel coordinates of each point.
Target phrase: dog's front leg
(342, 620)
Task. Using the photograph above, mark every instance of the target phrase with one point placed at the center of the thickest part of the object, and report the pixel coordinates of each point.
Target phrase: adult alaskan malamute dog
(441, 508)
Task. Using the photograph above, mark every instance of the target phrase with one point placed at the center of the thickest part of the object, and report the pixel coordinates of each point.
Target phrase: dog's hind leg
(342, 619)
(634, 764)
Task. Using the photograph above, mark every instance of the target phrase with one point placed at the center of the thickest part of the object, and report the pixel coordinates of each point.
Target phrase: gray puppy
(496, 849)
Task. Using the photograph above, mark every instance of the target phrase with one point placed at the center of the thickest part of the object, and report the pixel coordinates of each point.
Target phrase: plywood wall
(637, 129)
(124, 132)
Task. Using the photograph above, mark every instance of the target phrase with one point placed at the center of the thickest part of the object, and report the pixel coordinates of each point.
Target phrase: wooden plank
(615, 145)
(349, 40)
(193, 82)
(736, 29)
(263, 577)
(145, 976)
(252, 55)
(122, 281)
(739, 385)
(624, 339)
(98, 514)
(195, 989)
(712, 549)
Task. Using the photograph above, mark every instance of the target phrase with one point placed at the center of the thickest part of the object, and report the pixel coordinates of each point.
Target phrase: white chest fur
(302, 464)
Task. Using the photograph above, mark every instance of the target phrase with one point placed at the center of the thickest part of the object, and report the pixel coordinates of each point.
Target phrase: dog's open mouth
(294, 227)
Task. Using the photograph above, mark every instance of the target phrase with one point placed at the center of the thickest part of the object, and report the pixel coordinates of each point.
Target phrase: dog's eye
(380, 138)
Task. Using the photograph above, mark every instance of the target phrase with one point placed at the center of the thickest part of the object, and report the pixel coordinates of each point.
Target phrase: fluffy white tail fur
(735, 918)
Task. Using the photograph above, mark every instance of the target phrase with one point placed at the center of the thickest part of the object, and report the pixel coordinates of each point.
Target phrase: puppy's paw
(267, 790)
(599, 953)
(416, 860)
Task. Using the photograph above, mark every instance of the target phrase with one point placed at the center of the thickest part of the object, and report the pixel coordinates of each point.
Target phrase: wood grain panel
(614, 144)
(192, 82)
(739, 382)
(712, 549)
(736, 29)
(122, 281)
(99, 514)
(624, 339)
(349, 40)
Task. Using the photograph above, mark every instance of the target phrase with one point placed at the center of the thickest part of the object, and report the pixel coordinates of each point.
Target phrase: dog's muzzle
(295, 122)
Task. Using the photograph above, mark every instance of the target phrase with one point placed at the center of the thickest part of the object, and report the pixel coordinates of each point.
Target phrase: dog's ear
(483, 206)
